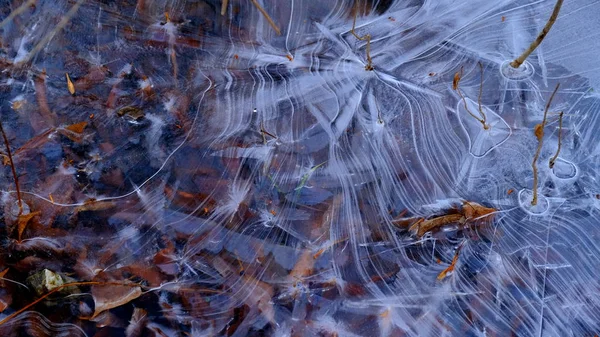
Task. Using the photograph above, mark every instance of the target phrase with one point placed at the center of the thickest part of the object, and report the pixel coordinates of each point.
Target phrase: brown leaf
(22, 222)
(111, 296)
(473, 210)
(422, 227)
(136, 323)
(77, 127)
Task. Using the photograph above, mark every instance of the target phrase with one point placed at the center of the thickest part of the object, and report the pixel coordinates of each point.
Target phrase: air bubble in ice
(482, 140)
(525, 198)
(564, 169)
(14, 210)
(525, 71)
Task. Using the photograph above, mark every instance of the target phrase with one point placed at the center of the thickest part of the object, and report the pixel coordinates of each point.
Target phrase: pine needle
(266, 15)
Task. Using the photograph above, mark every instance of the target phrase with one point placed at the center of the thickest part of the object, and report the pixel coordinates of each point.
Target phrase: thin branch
(483, 117)
(560, 125)
(455, 83)
(539, 134)
(519, 60)
(266, 15)
(367, 38)
(12, 167)
(57, 28)
(16, 12)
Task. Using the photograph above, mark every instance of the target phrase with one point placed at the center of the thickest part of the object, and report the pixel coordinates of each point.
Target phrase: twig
(539, 134)
(560, 124)
(455, 83)
(224, 7)
(12, 167)
(367, 38)
(519, 60)
(61, 24)
(266, 15)
(16, 12)
(483, 117)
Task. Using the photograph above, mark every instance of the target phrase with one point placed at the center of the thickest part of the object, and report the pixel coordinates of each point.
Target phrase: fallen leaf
(473, 210)
(77, 127)
(424, 226)
(136, 323)
(22, 222)
(111, 296)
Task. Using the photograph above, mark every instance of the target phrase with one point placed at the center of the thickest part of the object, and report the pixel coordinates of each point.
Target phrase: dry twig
(539, 134)
(519, 60)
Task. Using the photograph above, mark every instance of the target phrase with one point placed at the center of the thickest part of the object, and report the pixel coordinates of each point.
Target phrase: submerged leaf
(111, 296)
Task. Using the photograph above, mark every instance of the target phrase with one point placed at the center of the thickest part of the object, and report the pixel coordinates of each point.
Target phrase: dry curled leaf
(473, 210)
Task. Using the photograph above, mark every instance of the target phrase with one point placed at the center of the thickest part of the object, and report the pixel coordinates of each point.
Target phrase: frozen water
(266, 184)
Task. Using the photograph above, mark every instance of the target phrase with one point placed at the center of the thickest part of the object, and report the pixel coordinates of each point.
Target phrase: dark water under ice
(192, 169)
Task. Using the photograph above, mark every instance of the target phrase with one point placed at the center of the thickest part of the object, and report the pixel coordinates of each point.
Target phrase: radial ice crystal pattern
(300, 168)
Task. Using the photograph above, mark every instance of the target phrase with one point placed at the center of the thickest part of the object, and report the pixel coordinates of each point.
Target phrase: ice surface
(265, 184)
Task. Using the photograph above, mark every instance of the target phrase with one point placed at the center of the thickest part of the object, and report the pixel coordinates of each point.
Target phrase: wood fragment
(267, 17)
(539, 134)
(519, 60)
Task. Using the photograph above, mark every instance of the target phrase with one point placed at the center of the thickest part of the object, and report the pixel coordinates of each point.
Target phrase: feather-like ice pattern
(279, 173)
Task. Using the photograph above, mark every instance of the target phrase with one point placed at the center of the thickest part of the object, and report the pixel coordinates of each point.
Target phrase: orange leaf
(77, 127)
